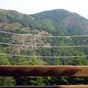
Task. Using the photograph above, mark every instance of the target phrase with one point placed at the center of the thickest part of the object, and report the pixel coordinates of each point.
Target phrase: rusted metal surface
(58, 86)
(43, 70)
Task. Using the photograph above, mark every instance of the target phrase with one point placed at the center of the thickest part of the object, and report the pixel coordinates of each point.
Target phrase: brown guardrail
(43, 70)
(20, 70)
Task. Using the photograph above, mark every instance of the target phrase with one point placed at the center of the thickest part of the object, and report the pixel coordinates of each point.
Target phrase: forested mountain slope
(22, 39)
(49, 23)
(54, 21)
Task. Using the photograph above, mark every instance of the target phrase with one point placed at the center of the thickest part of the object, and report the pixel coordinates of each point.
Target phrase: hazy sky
(34, 6)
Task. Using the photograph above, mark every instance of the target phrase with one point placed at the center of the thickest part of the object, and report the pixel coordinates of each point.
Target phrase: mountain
(57, 22)
(61, 22)
(24, 37)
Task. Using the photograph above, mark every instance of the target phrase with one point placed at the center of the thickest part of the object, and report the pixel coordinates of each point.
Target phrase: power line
(27, 34)
(23, 45)
(14, 33)
(43, 46)
(43, 56)
(67, 36)
(62, 46)
(11, 44)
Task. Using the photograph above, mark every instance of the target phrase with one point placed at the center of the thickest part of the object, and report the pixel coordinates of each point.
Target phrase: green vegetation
(48, 23)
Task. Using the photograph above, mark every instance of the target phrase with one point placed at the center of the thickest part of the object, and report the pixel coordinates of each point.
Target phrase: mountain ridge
(43, 20)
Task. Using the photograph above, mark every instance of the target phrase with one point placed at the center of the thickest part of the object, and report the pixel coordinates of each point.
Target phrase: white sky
(34, 6)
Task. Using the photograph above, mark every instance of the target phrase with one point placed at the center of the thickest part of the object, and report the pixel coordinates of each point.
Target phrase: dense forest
(22, 36)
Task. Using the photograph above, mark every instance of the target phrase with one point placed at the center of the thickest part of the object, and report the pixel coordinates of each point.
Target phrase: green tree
(79, 60)
(4, 60)
(56, 61)
(7, 81)
(20, 61)
(35, 60)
